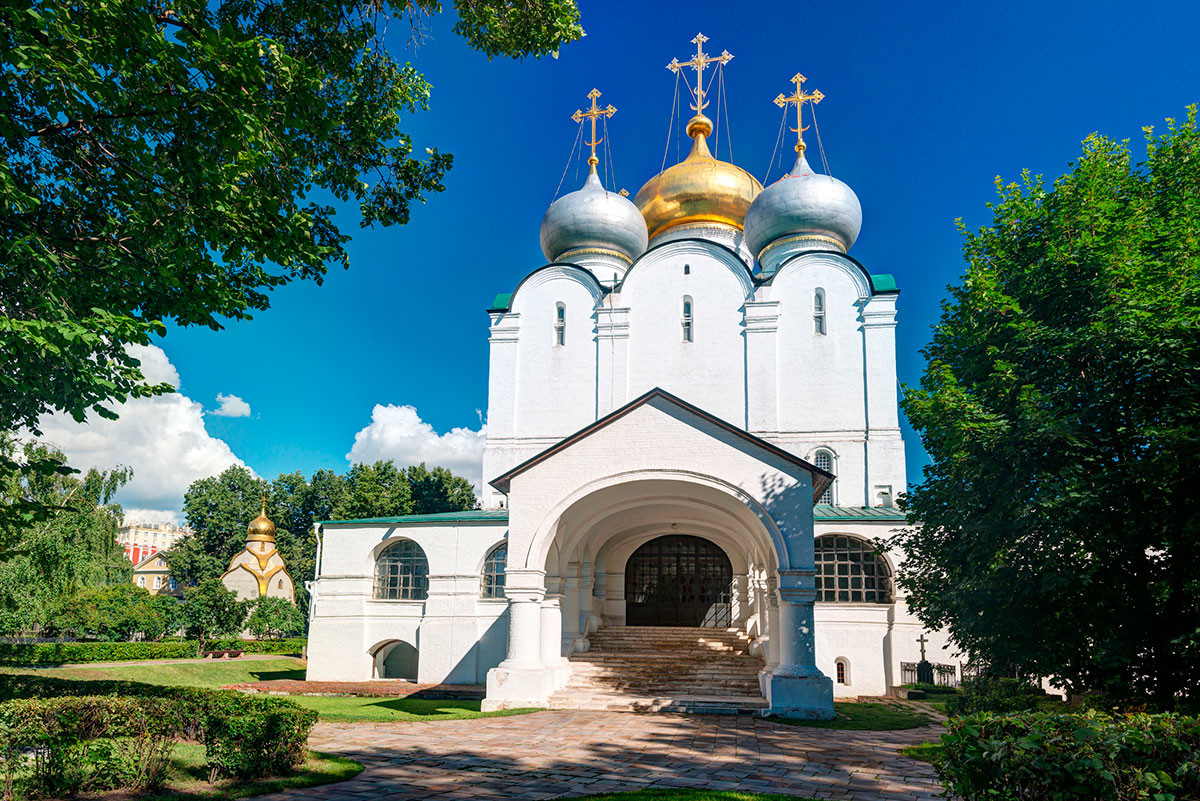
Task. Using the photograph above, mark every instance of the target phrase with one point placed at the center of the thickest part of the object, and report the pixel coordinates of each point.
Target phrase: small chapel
(693, 450)
(258, 570)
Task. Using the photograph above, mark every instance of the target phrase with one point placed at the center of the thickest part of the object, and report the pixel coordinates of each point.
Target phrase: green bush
(1071, 757)
(96, 735)
(998, 695)
(57, 653)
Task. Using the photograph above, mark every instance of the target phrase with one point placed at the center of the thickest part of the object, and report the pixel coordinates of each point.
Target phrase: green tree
(116, 612)
(274, 618)
(174, 161)
(375, 490)
(439, 490)
(211, 611)
(1058, 531)
(74, 545)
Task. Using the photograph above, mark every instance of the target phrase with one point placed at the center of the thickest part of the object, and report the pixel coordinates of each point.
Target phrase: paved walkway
(570, 753)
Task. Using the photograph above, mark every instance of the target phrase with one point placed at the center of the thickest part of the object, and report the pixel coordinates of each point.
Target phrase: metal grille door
(678, 580)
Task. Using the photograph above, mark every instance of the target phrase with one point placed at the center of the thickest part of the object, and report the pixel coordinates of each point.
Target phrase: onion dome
(592, 220)
(699, 189)
(261, 529)
(816, 212)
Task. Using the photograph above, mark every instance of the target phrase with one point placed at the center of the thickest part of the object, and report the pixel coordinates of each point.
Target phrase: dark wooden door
(678, 580)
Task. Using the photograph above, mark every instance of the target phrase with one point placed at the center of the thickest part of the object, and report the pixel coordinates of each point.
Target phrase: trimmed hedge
(1071, 757)
(105, 734)
(57, 653)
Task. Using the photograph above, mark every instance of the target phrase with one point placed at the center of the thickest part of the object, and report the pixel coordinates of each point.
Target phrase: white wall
(459, 635)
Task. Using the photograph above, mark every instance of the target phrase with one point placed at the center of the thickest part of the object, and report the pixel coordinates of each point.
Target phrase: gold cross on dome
(798, 99)
(594, 113)
(699, 63)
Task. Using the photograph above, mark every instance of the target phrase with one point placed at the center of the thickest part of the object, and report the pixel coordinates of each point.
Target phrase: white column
(614, 596)
(740, 600)
(588, 621)
(524, 628)
(797, 688)
(762, 366)
(771, 601)
(570, 604)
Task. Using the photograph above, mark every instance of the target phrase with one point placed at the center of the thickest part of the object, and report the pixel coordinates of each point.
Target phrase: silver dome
(803, 203)
(592, 218)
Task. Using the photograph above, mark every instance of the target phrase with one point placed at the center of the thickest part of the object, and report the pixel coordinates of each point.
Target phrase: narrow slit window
(560, 325)
(824, 460)
(687, 269)
(819, 312)
(688, 325)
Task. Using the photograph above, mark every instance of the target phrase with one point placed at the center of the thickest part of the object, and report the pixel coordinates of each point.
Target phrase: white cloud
(163, 439)
(231, 406)
(399, 433)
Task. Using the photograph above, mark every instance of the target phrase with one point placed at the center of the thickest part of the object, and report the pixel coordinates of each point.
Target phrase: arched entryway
(678, 580)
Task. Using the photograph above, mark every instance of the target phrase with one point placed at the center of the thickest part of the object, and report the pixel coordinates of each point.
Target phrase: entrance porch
(657, 519)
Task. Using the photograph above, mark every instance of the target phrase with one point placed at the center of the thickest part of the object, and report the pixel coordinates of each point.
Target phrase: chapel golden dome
(699, 189)
(261, 529)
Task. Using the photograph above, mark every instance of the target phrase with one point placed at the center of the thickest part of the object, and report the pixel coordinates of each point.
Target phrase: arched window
(819, 311)
(843, 671)
(402, 573)
(687, 318)
(824, 460)
(560, 325)
(687, 269)
(850, 571)
(493, 572)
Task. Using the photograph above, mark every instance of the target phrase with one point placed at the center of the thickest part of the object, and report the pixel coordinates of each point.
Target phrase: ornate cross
(699, 63)
(798, 99)
(594, 113)
(922, 642)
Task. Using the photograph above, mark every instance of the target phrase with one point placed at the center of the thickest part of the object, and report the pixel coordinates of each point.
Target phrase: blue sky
(925, 105)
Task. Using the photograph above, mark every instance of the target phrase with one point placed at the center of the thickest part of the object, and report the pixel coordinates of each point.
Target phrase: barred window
(687, 318)
(560, 325)
(824, 460)
(402, 573)
(819, 312)
(841, 671)
(850, 571)
(493, 572)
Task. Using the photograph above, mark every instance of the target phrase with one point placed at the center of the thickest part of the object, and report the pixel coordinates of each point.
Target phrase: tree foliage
(116, 612)
(74, 545)
(219, 508)
(1058, 529)
(175, 161)
(210, 611)
(274, 618)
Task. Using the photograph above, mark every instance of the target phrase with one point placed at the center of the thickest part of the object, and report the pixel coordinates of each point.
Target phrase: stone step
(691, 704)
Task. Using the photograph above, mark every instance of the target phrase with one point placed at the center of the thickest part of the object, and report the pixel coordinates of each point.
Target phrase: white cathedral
(693, 448)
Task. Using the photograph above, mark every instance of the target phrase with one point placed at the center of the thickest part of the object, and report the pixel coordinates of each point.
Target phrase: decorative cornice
(595, 252)
(787, 240)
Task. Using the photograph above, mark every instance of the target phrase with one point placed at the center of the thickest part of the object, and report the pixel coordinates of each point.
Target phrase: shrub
(1071, 757)
(993, 694)
(87, 737)
(57, 653)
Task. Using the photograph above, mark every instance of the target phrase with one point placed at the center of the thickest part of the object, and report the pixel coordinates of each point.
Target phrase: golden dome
(261, 529)
(699, 189)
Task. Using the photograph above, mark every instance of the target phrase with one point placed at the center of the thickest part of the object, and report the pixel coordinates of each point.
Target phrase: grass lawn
(866, 717)
(189, 777)
(690, 795)
(184, 674)
(923, 752)
(348, 709)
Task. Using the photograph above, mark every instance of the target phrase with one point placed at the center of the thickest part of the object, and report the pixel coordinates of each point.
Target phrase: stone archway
(679, 580)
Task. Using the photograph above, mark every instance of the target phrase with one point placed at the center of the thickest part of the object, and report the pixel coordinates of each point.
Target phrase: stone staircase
(664, 669)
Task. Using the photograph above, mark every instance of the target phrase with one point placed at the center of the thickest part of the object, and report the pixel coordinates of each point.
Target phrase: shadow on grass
(278, 675)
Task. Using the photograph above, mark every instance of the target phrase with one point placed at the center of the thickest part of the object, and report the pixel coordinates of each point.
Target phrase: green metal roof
(862, 514)
(502, 302)
(469, 516)
(821, 513)
(884, 282)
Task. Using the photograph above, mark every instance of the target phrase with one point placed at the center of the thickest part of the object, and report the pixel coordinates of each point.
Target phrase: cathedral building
(693, 448)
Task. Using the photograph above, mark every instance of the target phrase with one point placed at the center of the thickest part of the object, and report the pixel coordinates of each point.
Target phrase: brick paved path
(571, 753)
(383, 689)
